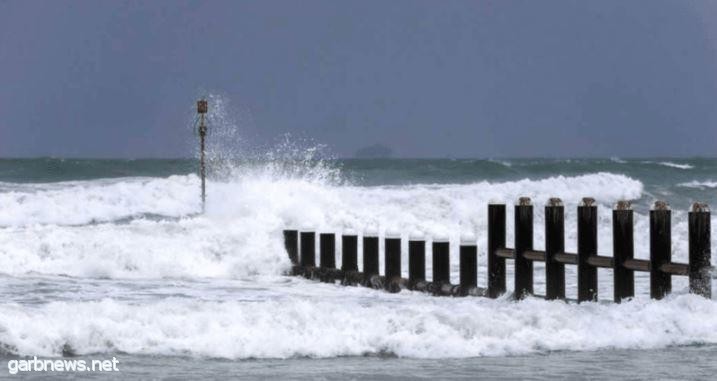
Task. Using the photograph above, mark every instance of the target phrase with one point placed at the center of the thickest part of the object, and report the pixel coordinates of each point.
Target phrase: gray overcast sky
(427, 78)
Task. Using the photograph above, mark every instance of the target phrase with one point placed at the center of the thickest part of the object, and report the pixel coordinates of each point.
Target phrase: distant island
(376, 151)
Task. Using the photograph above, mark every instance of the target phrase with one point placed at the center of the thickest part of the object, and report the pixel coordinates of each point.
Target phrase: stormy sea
(115, 258)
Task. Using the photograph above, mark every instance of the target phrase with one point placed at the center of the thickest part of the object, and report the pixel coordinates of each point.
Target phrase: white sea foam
(675, 165)
(241, 231)
(339, 324)
(77, 203)
(699, 184)
(83, 202)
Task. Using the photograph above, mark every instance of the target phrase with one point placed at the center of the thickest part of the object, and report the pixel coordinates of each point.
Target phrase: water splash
(225, 145)
(232, 156)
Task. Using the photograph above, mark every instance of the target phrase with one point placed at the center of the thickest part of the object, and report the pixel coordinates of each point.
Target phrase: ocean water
(103, 258)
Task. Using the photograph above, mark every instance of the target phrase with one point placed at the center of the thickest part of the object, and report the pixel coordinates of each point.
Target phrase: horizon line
(493, 158)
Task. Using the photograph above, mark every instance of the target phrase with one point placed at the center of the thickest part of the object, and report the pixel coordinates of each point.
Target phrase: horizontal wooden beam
(566, 258)
(534, 255)
(600, 261)
(505, 253)
(675, 268)
(637, 264)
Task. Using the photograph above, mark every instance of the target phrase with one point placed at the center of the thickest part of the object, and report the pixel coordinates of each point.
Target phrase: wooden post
(700, 252)
(496, 240)
(441, 261)
(660, 249)
(308, 249)
(291, 244)
(554, 244)
(416, 260)
(523, 242)
(622, 250)
(393, 257)
(327, 250)
(468, 263)
(370, 255)
(587, 246)
(349, 252)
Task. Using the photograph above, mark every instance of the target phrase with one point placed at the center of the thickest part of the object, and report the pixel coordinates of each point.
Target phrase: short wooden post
(660, 249)
(308, 249)
(291, 244)
(523, 242)
(468, 263)
(587, 246)
(393, 257)
(349, 252)
(441, 261)
(416, 260)
(622, 250)
(554, 244)
(496, 240)
(700, 252)
(327, 250)
(370, 255)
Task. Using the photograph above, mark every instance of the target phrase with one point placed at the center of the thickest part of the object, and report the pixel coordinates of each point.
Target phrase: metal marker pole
(202, 108)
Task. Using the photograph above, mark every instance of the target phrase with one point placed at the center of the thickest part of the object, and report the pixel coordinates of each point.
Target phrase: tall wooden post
(587, 246)
(554, 244)
(660, 249)
(496, 240)
(623, 249)
(700, 253)
(523, 242)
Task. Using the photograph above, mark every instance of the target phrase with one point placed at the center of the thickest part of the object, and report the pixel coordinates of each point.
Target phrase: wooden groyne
(301, 248)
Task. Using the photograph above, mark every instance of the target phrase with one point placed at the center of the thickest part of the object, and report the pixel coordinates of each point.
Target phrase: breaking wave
(340, 324)
(147, 228)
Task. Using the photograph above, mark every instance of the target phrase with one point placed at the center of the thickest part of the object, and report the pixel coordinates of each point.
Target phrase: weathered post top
(524, 201)
(623, 205)
(587, 201)
(661, 205)
(700, 207)
(554, 202)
